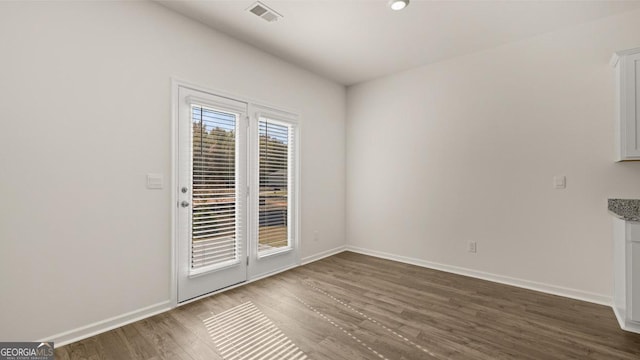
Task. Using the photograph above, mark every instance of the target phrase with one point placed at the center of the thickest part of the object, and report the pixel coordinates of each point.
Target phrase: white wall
(466, 150)
(85, 113)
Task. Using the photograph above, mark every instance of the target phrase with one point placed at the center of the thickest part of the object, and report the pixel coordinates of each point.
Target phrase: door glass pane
(273, 208)
(214, 220)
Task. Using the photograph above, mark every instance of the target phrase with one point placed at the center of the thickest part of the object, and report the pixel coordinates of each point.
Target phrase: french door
(274, 177)
(236, 191)
(212, 251)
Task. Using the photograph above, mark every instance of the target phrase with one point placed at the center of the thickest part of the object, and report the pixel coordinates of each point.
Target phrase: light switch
(560, 182)
(155, 181)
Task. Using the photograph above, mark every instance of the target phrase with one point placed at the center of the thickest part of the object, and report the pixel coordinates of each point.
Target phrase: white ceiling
(351, 41)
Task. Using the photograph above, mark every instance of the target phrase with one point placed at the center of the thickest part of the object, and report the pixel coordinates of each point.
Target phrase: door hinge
(247, 260)
(247, 120)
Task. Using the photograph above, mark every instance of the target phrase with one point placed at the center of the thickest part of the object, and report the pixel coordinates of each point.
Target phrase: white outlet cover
(155, 181)
(560, 182)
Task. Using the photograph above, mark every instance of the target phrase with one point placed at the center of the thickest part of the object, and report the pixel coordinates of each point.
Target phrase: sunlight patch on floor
(245, 333)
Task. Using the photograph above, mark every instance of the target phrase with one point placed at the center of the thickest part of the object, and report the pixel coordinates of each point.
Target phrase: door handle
(184, 204)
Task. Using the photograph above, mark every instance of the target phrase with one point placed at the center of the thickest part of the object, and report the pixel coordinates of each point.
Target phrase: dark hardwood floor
(351, 306)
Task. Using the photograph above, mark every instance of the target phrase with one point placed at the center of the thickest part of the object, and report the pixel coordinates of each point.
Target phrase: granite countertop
(625, 209)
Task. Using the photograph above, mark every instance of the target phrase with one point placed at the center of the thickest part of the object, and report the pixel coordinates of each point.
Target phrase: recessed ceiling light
(398, 4)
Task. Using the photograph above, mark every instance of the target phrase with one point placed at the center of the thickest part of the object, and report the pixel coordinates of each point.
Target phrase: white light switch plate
(560, 182)
(155, 181)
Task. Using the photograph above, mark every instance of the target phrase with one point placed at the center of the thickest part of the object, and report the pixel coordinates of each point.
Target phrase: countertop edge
(625, 209)
(625, 218)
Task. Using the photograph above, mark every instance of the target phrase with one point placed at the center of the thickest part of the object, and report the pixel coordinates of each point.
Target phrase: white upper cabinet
(627, 65)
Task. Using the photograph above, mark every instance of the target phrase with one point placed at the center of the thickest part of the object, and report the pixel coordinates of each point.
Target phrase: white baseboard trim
(619, 316)
(98, 327)
(624, 324)
(526, 284)
(309, 259)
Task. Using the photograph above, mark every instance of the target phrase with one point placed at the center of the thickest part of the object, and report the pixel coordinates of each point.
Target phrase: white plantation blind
(214, 240)
(275, 176)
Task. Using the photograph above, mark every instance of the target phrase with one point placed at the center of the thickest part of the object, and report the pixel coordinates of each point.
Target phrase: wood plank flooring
(351, 306)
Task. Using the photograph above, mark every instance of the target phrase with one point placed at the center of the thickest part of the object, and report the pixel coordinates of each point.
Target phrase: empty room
(319, 179)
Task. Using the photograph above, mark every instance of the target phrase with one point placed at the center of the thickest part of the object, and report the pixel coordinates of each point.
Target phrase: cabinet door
(630, 105)
(633, 273)
(619, 265)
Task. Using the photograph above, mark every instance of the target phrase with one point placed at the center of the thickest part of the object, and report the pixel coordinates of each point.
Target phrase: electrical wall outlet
(472, 247)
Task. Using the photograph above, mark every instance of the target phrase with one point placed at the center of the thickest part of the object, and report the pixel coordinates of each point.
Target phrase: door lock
(184, 204)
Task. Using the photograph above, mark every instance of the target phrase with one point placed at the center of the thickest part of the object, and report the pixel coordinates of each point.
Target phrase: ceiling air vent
(265, 12)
